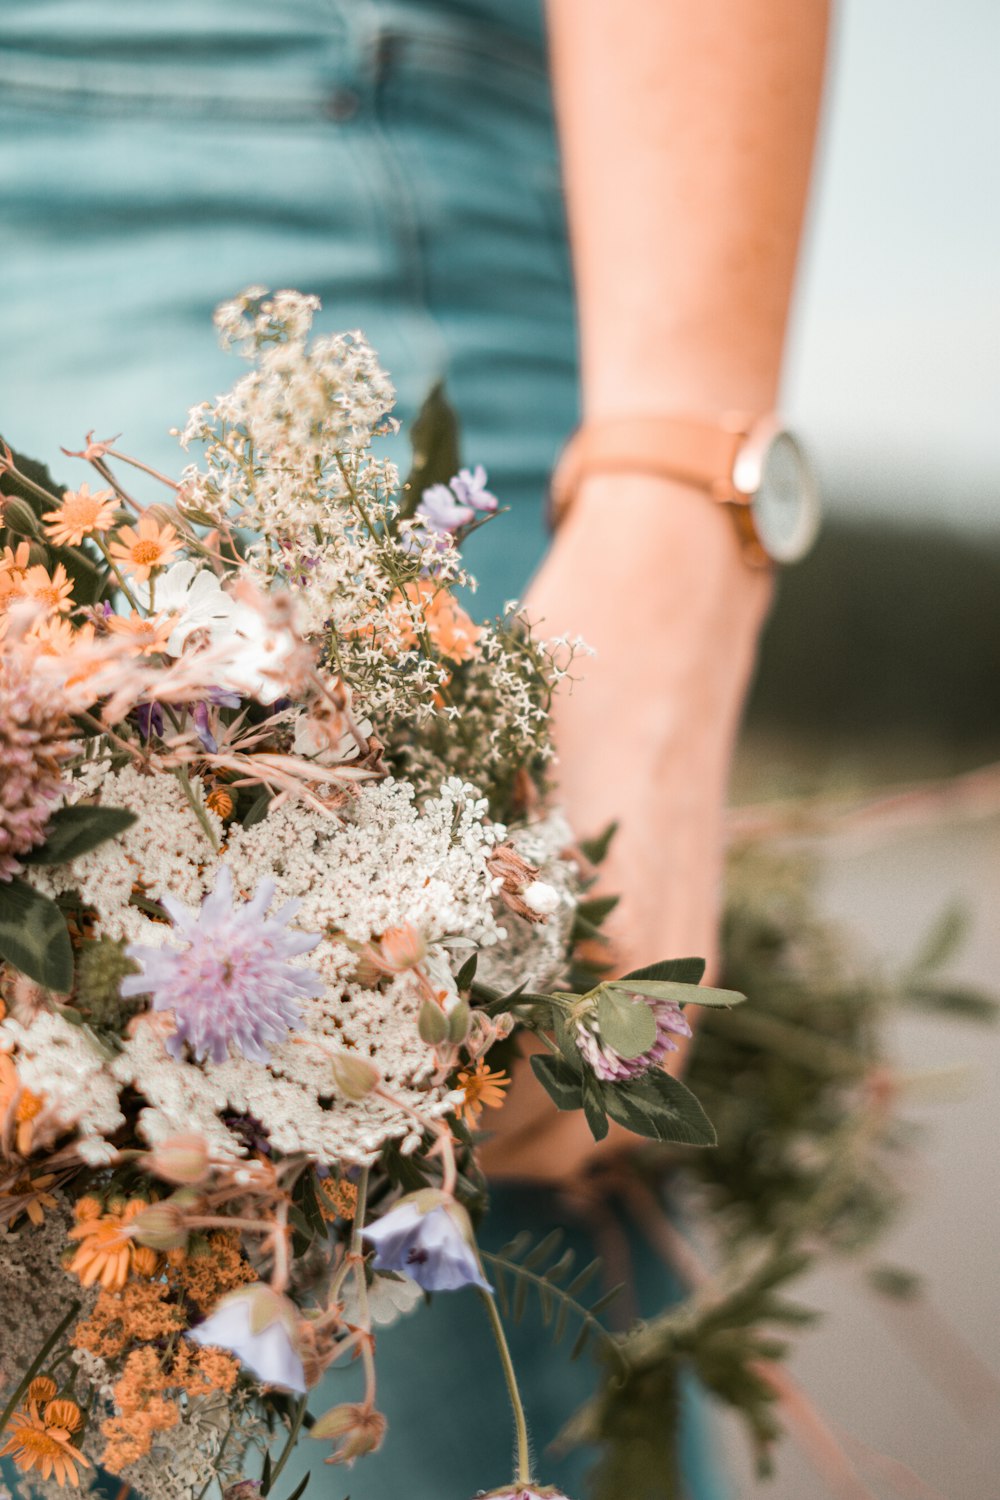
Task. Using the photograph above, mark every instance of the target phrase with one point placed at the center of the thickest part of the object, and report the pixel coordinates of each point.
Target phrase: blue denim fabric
(400, 161)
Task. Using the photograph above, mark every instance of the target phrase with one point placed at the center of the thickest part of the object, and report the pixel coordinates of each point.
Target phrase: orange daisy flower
(80, 515)
(54, 590)
(106, 1251)
(13, 566)
(483, 1088)
(452, 632)
(139, 552)
(33, 1197)
(27, 1107)
(146, 633)
(42, 1441)
(58, 637)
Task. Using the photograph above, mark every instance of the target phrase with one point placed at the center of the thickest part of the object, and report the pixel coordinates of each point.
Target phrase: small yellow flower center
(147, 553)
(34, 1441)
(81, 512)
(28, 1106)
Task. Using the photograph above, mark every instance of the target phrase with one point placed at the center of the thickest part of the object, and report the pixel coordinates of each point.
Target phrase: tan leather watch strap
(691, 451)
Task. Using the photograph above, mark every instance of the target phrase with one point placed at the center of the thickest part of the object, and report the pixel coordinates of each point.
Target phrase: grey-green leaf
(559, 1081)
(627, 1025)
(72, 831)
(680, 994)
(33, 936)
(660, 1107)
(683, 970)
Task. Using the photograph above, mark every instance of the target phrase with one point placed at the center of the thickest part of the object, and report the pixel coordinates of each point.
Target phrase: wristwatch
(752, 465)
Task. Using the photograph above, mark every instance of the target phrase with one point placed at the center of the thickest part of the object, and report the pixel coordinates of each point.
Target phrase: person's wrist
(668, 534)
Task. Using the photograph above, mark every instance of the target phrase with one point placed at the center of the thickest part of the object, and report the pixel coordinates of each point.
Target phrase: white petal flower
(257, 1325)
(195, 597)
(541, 898)
(257, 655)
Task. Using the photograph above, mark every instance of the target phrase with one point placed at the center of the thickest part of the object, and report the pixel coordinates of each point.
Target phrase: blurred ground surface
(909, 1383)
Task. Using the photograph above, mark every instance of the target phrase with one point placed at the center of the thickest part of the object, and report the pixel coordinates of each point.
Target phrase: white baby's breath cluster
(286, 454)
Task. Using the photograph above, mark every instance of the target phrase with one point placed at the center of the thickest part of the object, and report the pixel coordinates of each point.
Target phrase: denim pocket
(49, 86)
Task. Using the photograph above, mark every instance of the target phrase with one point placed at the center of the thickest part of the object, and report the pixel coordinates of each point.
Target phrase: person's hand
(652, 576)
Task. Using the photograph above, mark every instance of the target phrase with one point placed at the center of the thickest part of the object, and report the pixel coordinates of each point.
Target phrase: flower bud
(353, 1077)
(403, 947)
(182, 1160)
(458, 1021)
(17, 515)
(541, 898)
(160, 1226)
(354, 1428)
(432, 1024)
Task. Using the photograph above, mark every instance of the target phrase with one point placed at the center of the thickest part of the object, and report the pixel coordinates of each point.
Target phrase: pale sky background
(894, 371)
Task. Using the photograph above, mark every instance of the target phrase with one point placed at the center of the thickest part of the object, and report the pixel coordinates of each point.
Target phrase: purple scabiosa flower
(469, 488)
(441, 511)
(610, 1065)
(427, 1237)
(230, 982)
(256, 1324)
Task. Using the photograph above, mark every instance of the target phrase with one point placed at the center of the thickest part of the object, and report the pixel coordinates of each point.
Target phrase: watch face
(785, 501)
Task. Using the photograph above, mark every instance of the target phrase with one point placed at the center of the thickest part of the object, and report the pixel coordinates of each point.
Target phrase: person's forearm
(687, 131)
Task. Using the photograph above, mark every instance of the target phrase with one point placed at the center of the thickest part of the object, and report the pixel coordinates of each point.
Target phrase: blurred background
(881, 664)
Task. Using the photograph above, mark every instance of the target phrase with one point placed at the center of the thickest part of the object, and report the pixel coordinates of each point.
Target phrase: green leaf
(593, 1107)
(33, 936)
(435, 441)
(559, 1081)
(683, 970)
(943, 940)
(660, 1107)
(72, 831)
(300, 1489)
(597, 908)
(467, 974)
(596, 849)
(680, 994)
(566, 1042)
(257, 811)
(627, 1025)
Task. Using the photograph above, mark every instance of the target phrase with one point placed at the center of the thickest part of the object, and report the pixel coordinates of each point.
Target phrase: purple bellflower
(230, 981)
(258, 1326)
(428, 1238)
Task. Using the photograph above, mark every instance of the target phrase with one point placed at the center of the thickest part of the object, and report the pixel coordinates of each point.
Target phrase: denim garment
(400, 161)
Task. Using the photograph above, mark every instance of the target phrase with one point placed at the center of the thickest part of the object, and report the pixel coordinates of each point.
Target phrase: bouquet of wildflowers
(278, 873)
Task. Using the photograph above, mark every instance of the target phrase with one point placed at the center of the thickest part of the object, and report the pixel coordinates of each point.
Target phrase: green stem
(354, 1247)
(37, 1363)
(290, 1441)
(196, 807)
(523, 1475)
(129, 596)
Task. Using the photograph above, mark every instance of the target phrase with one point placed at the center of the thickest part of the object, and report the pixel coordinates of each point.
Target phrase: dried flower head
(34, 743)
